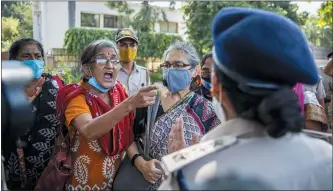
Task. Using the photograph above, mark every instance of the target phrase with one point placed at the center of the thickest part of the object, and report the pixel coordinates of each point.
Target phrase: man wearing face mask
(131, 75)
(24, 168)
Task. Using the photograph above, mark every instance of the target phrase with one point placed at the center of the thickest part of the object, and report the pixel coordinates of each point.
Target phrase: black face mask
(207, 79)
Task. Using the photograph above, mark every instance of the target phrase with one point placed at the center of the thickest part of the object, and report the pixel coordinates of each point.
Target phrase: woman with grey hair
(98, 114)
(178, 105)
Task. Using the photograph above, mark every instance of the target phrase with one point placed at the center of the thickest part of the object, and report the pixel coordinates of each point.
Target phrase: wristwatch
(135, 157)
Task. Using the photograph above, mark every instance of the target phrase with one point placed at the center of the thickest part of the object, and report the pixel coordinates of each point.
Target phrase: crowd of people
(259, 85)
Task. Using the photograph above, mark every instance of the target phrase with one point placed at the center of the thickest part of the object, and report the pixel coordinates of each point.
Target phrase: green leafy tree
(199, 16)
(144, 20)
(6, 8)
(21, 10)
(9, 31)
(312, 31)
(316, 34)
(326, 14)
(325, 24)
(152, 45)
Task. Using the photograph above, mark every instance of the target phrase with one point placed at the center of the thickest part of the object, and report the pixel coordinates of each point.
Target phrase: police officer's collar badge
(177, 160)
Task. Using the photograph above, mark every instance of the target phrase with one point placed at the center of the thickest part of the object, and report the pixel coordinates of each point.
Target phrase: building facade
(51, 20)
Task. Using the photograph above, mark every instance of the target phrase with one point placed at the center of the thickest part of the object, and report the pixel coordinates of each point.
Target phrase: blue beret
(261, 48)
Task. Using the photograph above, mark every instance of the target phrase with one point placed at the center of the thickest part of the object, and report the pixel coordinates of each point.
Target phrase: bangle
(135, 157)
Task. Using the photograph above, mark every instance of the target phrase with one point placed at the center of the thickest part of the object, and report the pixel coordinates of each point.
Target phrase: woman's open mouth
(108, 76)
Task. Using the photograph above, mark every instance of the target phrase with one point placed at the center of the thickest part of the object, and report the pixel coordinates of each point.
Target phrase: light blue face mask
(92, 81)
(37, 67)
(177, 79)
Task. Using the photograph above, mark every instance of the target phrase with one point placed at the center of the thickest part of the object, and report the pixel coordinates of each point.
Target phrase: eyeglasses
(205, 72)
(174, 65)
(104, 61)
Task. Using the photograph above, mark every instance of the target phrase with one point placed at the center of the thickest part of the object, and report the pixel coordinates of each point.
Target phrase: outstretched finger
(195, 139)
(171, 134)
(180, 125)
(148, 88)
(149, 103)
(171, 139)
(149, 99)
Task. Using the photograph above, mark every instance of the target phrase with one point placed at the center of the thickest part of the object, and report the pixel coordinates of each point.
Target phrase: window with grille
(90, 20)
(168, 27)
(111, 21)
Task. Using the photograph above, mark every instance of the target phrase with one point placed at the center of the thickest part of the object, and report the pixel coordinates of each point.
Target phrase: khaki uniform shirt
(134, 81)
(292, 162)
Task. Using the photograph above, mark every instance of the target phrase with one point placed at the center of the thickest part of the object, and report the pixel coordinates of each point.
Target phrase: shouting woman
(98, 115)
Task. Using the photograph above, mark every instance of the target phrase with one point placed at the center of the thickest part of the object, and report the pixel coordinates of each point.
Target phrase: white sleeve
(321, 90)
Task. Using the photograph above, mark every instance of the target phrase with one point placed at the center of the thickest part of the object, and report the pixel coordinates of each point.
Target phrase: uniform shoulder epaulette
(179, 159)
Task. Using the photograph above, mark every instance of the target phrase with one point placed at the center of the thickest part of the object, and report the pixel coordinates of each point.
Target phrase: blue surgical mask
(176, 79)
(92, 81)
(37, 67)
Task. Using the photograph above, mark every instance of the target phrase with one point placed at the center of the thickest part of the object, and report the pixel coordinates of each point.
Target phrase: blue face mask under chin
(37, 67)
(177, 79)
(92, 81)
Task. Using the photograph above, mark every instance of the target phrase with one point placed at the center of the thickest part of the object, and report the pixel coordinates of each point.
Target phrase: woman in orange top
(98, 114)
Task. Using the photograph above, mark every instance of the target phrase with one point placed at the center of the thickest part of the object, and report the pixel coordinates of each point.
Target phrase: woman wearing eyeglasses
(98, 115)
(180, 68)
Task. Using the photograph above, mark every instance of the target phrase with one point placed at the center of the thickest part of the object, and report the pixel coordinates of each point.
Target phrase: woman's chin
(108, 83)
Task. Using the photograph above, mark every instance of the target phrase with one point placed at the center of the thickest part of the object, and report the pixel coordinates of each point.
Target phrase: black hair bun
(281, 113)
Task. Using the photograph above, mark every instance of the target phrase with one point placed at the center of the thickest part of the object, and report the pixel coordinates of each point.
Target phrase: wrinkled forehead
(106, 52)
(177, 56)
(30, 48)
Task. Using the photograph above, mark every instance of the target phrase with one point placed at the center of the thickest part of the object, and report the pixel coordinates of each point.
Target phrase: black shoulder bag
(128, 176)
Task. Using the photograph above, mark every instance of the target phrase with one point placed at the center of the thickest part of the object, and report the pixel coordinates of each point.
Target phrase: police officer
(130, 74)
(262, 137)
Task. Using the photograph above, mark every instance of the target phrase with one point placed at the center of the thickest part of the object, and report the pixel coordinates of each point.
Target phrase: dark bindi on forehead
(107, 53)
